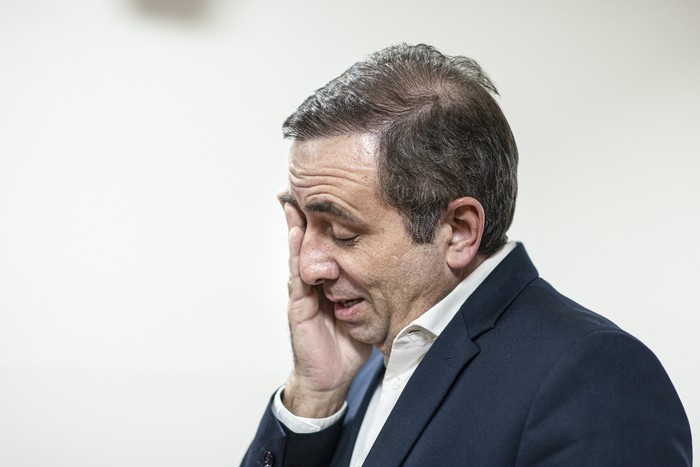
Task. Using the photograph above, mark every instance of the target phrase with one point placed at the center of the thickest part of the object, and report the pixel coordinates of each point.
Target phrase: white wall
(142, 252)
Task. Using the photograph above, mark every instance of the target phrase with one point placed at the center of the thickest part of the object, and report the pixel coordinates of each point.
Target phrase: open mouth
(347, 310)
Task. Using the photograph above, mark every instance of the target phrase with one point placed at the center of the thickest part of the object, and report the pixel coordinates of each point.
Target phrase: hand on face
(326, 358)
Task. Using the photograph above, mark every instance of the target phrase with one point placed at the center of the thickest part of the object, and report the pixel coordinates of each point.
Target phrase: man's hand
(326, 358)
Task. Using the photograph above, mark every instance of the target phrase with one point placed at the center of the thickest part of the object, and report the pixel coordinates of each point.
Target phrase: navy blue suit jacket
(522, 376)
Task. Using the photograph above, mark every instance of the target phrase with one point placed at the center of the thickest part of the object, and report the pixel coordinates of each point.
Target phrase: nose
(315, 263)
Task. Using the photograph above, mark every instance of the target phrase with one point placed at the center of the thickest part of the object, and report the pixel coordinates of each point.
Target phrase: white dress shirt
(407, 351)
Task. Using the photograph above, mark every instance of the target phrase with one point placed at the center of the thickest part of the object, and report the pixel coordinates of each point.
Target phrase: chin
(367, 336)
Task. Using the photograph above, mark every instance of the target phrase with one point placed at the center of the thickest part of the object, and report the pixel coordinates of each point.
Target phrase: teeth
(348, 303)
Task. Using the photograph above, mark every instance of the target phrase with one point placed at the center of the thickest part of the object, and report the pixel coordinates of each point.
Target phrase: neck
(471, 267)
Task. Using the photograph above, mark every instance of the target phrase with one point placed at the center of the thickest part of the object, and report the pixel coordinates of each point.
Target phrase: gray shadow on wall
(180, 10)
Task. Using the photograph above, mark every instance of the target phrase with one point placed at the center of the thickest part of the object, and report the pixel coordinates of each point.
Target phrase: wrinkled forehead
(340, 169)
(345, 157)
(358, 150)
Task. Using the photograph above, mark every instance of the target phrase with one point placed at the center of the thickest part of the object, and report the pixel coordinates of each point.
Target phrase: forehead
(339, 170)
(337, 159)
(354, 151)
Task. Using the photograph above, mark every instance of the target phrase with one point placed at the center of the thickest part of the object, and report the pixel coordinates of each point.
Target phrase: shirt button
(269, 460)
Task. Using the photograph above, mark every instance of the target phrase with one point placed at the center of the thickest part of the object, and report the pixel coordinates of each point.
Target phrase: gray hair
(441, 134)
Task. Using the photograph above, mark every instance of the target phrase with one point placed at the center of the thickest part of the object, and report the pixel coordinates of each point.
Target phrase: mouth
(347, 310)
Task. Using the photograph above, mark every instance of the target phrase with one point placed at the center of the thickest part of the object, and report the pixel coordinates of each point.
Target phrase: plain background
(143, 253)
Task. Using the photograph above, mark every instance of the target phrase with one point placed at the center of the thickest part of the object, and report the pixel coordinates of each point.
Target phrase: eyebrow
(287, 198)
(325, 207)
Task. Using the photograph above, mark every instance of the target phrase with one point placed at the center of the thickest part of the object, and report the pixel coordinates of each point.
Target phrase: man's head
(402, 172)
(441, 135)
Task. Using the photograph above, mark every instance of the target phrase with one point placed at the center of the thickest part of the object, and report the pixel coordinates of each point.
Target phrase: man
(402, 185)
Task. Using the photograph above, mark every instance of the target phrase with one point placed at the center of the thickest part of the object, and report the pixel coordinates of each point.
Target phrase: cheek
(388, 279)
(390, 268)
(420, 267)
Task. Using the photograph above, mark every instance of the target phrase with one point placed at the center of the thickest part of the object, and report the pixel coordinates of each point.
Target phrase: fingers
(281, 194)
(297, 288)
(296, 236)
(294, 216)
(299, 291)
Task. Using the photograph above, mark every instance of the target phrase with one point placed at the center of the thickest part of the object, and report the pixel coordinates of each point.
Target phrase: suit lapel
(451, 352)
(422, 396)
(359, 396)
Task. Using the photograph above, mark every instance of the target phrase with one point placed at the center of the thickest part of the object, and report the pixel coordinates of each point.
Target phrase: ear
(465, 218)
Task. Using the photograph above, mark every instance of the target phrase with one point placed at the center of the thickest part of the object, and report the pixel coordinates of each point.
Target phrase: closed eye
(344, 241)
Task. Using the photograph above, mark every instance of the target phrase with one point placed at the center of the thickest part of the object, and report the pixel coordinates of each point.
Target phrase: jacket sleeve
(607, 401)
(275, 445)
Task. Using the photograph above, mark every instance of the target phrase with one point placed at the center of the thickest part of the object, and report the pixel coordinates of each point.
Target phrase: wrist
(309, 403)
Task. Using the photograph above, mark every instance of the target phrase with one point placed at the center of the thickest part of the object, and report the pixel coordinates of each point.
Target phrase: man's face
(356, 247)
